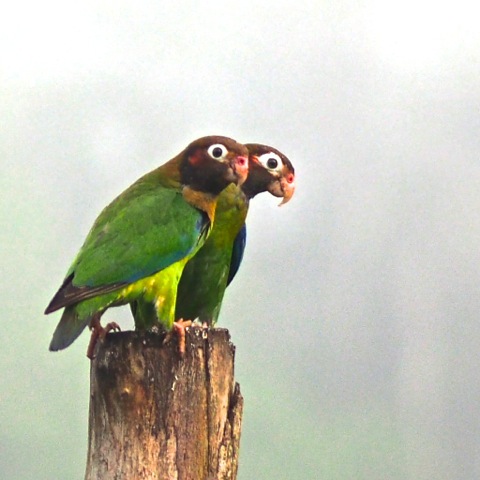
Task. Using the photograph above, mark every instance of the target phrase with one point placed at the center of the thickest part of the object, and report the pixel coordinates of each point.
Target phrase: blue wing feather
(237, 253)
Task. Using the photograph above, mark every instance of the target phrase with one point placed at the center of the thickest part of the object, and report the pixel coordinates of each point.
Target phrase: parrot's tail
(69, 328)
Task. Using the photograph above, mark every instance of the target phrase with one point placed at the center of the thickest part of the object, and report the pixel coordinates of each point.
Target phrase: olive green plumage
(140, 243)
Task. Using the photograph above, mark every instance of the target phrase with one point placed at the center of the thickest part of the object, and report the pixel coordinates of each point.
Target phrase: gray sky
(355, 313)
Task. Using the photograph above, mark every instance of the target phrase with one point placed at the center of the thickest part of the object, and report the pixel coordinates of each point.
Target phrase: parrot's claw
(99, 332)
(179, 328)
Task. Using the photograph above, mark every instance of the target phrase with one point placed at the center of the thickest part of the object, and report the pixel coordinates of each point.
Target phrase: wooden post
(154, 415)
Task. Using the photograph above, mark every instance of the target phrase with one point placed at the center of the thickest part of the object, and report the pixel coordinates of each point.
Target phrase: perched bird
(140, 243)
(207, 274)
(284, 187)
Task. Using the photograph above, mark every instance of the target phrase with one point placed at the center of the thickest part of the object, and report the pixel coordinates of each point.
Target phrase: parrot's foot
(99, 332)
(179, 328)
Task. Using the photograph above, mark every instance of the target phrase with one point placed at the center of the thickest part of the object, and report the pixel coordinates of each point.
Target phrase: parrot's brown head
(270, 170)
(210, 164)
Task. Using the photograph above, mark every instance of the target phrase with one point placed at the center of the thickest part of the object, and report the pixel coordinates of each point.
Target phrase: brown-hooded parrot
(140, 243)
(207, 274)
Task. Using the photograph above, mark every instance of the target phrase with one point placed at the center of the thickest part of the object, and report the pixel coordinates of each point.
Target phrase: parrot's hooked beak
(288, 187)
(283, 187)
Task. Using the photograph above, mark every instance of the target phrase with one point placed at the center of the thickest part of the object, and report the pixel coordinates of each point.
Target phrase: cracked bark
(156, 416)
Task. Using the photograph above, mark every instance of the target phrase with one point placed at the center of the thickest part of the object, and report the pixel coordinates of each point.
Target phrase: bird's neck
(201, 200)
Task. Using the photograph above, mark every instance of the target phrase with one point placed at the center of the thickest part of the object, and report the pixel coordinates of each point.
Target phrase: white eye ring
(271, 161)
(217, 151)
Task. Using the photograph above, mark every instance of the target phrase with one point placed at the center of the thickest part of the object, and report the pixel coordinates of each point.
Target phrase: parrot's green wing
(143, 231)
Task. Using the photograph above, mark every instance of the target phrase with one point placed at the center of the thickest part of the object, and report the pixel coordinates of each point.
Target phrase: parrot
(207, 274)
(140, 243)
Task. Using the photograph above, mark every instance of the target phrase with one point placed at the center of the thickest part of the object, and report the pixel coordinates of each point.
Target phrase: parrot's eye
(217, 151)
(271, 161)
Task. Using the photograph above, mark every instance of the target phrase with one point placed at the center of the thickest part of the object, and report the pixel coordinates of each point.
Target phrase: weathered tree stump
(154, 415)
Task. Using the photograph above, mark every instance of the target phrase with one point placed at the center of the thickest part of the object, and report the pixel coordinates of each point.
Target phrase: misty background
(355, 313)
